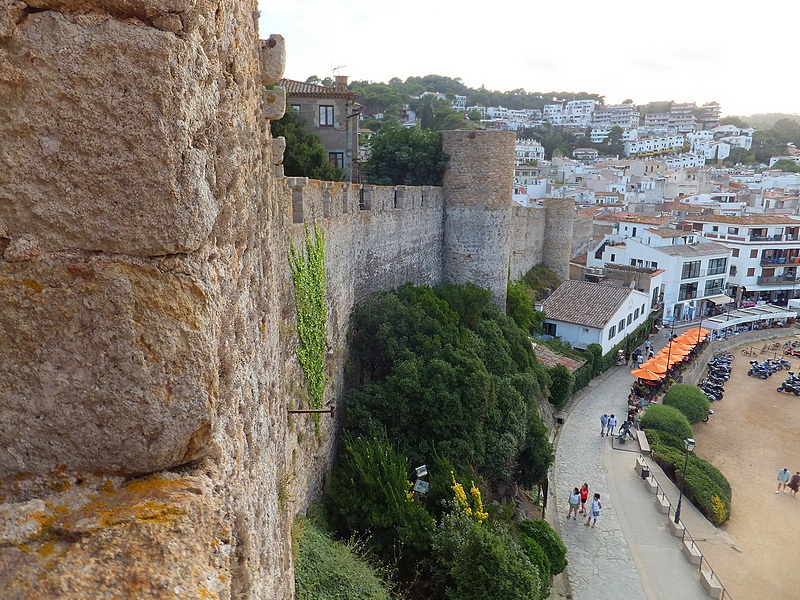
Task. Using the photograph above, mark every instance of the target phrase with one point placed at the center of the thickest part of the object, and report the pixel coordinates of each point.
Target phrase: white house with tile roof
(584, 313)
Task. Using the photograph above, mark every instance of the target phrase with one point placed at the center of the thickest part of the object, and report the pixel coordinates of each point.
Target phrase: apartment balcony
(785, 280)
(765, 238)
(780, 260)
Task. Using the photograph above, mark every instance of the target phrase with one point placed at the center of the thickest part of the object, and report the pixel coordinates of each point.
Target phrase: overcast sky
(681, 50)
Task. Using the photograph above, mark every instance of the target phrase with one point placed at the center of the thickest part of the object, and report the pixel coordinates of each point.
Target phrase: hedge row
(705, 486)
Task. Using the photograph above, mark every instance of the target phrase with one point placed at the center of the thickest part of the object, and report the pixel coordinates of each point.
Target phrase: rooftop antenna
(335, 70)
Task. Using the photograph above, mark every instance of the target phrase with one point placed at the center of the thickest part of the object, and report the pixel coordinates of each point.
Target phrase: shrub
(536, 554)
(689, 400)
(370, 495)
(561, 388)
(328, 570)
(667, 418)
(663, 438)
(477, 562)
(705, 486)
(542, 533)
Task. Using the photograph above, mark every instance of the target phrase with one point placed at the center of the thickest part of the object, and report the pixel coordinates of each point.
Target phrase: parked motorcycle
(791, 385)
(757, 370)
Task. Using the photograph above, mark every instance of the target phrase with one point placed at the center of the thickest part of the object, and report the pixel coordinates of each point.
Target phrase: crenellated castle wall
(147, 321)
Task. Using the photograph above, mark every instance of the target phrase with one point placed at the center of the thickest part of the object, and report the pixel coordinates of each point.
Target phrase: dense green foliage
(786, 165)
(329, 570)
(561, 387)
(689, 400)
(540, 279)
(305, 156)
(405, 156)
(454, 384)
(705, 486)
(540, 532)
(308, 273)
(444, 372)
(520, 307)
(370, 494)
(478, 561)
(667, 418)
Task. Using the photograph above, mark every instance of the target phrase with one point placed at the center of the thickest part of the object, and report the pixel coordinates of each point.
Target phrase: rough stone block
(105, 366)
(272, 57)
(278, 148)
(152, 537)
(102, 136)
(651, 484)
(274, 103)
(662, 504)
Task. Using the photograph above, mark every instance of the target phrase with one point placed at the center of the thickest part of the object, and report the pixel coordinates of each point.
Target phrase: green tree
(561, 388)
(520, 307)
(305, 156)
(613, 144)
(784, 164)
(405, 156)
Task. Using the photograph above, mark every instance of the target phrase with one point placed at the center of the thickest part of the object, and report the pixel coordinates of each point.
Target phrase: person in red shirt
(584, 492)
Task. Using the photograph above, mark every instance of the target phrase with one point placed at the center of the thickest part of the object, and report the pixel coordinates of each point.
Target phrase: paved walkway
(630, 554)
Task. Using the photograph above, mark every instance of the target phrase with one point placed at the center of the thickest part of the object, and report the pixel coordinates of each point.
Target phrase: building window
(753, 253)
(714, 286)
(296, 107)
(691, 269)
(717, 266)
(714, 228)
(621, 325)
(612, 332)
(613, 257)
(687, 291)
(733, 230)
(636, 314)
(735, 252)
(633, 262)
(630, 317)
(654, 265)
(326, 116)
(336, 159)
(751, 272)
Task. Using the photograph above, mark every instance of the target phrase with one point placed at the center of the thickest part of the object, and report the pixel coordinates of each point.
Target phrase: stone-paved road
(630, 554)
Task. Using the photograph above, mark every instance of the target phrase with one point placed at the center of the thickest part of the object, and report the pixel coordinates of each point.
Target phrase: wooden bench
(642, 439)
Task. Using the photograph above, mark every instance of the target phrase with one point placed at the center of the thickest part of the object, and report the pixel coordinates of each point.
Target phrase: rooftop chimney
(341, 83)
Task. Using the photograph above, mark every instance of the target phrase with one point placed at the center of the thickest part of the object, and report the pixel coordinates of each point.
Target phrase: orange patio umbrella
(659, 367)
(646, 375)
(680, 345)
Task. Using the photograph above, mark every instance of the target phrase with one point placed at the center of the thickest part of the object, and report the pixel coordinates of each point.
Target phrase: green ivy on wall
(308, 272)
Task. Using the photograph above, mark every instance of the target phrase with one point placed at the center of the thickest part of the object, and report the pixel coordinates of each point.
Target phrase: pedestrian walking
(594, 511)
(783, 478)
(627, 358)
(574, 504)
(611, 424)
(648, 345)
(639, 360)
(650, 353)
(794, 483)
(603, 424)
(584, 492)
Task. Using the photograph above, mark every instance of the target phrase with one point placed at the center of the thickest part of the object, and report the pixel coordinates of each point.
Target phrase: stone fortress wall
(147, 322)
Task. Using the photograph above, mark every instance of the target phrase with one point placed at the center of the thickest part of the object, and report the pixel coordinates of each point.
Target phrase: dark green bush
(667, 418)
(663, 438)
(561, 388)
(536, 554)
(520, 307)
(705, 486)
(689, 400)
(477, 562)
(329, 570)
(369, 496)
(542, 533)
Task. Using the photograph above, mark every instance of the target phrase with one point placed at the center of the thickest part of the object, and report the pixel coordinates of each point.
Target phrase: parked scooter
(756, 370)
(791, 385)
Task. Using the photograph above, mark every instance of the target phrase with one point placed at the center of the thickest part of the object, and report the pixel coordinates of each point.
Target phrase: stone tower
(557, 247)
(478, 184)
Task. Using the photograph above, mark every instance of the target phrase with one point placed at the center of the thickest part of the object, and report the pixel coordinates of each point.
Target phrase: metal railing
(711, 575)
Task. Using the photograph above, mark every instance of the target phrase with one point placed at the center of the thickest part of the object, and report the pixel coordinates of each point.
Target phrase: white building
(459, 104)
(695, 269)
(765, 253)
(527, 151)
(622, 115)
(651, 146)
(584, 313)
(599, 135)
(684, 161)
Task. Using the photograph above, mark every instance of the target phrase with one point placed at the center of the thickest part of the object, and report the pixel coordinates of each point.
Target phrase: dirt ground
(754, 432)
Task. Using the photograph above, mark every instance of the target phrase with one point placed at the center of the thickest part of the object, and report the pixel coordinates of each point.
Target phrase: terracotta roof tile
(584, 303)
(550, 359)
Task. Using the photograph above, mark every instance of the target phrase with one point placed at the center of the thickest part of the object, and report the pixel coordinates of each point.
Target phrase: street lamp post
(689, 446)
